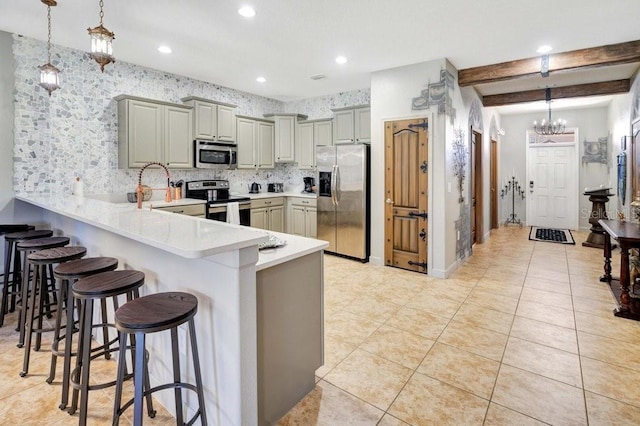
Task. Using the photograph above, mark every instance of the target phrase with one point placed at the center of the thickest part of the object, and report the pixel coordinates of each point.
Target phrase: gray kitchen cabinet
(268, 213)
(285, 136)
(150, 130)
(352, 125)
(212, 120)
(254, 138)
(303, 216)
(310, 134)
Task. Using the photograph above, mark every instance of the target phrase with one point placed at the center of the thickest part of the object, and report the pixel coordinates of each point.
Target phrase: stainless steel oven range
(216, 192)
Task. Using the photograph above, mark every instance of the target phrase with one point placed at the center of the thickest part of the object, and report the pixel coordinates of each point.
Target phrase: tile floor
(521, 334)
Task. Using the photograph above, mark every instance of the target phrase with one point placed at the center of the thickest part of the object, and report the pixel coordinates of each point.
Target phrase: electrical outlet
(28, 186)
(458, 237)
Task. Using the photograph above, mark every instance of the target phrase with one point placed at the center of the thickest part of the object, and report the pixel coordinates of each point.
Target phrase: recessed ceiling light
(164, 49)
(247, 12)
(544, 49)
(261, 79)
(341, 60)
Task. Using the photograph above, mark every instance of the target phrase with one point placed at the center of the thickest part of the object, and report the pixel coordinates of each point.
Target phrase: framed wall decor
(635, 161)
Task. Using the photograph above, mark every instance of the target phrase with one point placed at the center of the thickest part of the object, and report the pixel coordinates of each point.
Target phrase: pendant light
(49, 75)
(548, 128)
(101, 39)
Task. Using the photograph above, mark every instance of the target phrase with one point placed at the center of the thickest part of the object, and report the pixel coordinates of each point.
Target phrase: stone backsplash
(73, 132)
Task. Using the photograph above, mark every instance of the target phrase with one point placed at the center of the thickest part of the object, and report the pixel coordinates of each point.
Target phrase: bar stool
(23, 249)
(67, 273)
(41, 260)
(87, 291)
(150, 314)
(12, 257)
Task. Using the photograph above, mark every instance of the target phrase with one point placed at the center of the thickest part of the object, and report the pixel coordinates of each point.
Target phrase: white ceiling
(290, 40)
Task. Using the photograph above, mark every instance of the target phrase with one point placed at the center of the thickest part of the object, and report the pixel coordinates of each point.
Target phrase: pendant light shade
(49, 74)
(101, 43)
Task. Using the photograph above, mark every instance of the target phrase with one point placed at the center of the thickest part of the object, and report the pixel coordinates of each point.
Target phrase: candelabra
(514, 186)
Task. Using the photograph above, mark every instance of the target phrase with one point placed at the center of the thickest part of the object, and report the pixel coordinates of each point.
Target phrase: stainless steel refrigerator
(343, 199)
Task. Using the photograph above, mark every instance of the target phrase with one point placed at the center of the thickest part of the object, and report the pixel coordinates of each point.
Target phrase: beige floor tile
(501, 416)
(609, 350)
(543, 360)
(479, 316)
(545, 334)
(544, 399)
(329, 405)
(593, 307)
(549, 298)
(389, 420)
(506, 275)
(479, 341)
(418, 322)
(370, 378)
(501, 288)
(605, 411)
(397, 345)
(613, 327)
(611, 381)
(373, 308)
(461, 369)
(440, 306)
(598, 291)
(550, 314)
(426, 401)
(350, 327)
(547, 274)
(493, 301)
(335, 350)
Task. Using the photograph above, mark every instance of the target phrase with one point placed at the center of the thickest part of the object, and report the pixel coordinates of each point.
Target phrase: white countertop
(278, 194)
(186, 236)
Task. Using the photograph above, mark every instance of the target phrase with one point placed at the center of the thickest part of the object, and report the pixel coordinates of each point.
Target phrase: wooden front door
(494, 184)
(406, 185)
(476, 187)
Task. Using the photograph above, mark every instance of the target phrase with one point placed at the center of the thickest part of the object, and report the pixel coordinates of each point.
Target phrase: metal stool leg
(26, 272)
(29, 321)
(198, 372)
(8, 247)
(138, 378)
(176, 375)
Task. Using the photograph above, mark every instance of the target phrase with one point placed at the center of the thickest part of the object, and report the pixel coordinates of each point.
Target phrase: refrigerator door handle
(337, 184)
(333, 185)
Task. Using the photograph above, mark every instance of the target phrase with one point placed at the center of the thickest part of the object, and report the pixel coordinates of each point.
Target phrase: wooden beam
(613, 54)
(576, 91)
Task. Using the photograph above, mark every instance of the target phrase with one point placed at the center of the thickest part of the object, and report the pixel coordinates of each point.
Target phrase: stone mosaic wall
(74, 131)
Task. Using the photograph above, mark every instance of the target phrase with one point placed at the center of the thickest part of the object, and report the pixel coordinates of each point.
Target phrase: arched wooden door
(406, 192)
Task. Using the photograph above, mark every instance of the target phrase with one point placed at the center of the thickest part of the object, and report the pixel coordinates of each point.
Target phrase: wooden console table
(628, 237)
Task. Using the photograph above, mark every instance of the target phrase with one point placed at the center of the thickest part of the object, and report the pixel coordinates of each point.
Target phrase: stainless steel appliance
(309, 184)
(215, 155)
(216, 192)
(343, 199)
(275, 187)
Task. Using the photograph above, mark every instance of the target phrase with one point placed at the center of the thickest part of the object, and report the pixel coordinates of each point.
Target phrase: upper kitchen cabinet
(352, 125)
(285, 136)
(212, 120)
(255, 143)
(309, 135)
(150, 130)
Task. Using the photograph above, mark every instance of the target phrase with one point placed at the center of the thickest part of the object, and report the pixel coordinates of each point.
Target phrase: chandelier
(101, 39)
(549, 127)
(49, 75)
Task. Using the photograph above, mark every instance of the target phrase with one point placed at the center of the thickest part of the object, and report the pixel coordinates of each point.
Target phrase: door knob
(389, 201)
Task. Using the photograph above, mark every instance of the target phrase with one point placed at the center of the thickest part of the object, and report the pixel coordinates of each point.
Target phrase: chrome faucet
(167, 196)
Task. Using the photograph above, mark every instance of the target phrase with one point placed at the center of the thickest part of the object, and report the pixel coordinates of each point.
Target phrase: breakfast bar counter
(259, 322)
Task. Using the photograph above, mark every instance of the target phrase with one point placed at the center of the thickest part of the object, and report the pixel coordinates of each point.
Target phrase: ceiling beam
(613, 54)
(576, 91)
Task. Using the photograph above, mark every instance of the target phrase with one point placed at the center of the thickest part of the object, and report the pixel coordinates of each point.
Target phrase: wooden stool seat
(57, 255)
(81, 267)
(87, 291)
(149, 314)
(42, 243)
(17, 227)
(27, 235)
(156, 312)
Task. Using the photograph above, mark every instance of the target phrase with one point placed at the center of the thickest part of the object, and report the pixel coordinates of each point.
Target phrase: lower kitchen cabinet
(303, 216)
(268, 213)
(196, 210)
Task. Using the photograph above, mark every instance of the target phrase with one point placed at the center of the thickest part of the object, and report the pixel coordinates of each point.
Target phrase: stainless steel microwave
(215, 155)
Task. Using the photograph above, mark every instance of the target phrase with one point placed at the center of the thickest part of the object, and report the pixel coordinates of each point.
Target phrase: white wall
(592, 123)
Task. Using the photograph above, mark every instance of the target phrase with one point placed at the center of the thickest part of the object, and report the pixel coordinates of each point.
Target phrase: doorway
(476, 187)
(406, 192)
(493, 166)
(552, 180)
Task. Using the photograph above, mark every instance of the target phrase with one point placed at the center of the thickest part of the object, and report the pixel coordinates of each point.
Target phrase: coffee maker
(309, 184)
